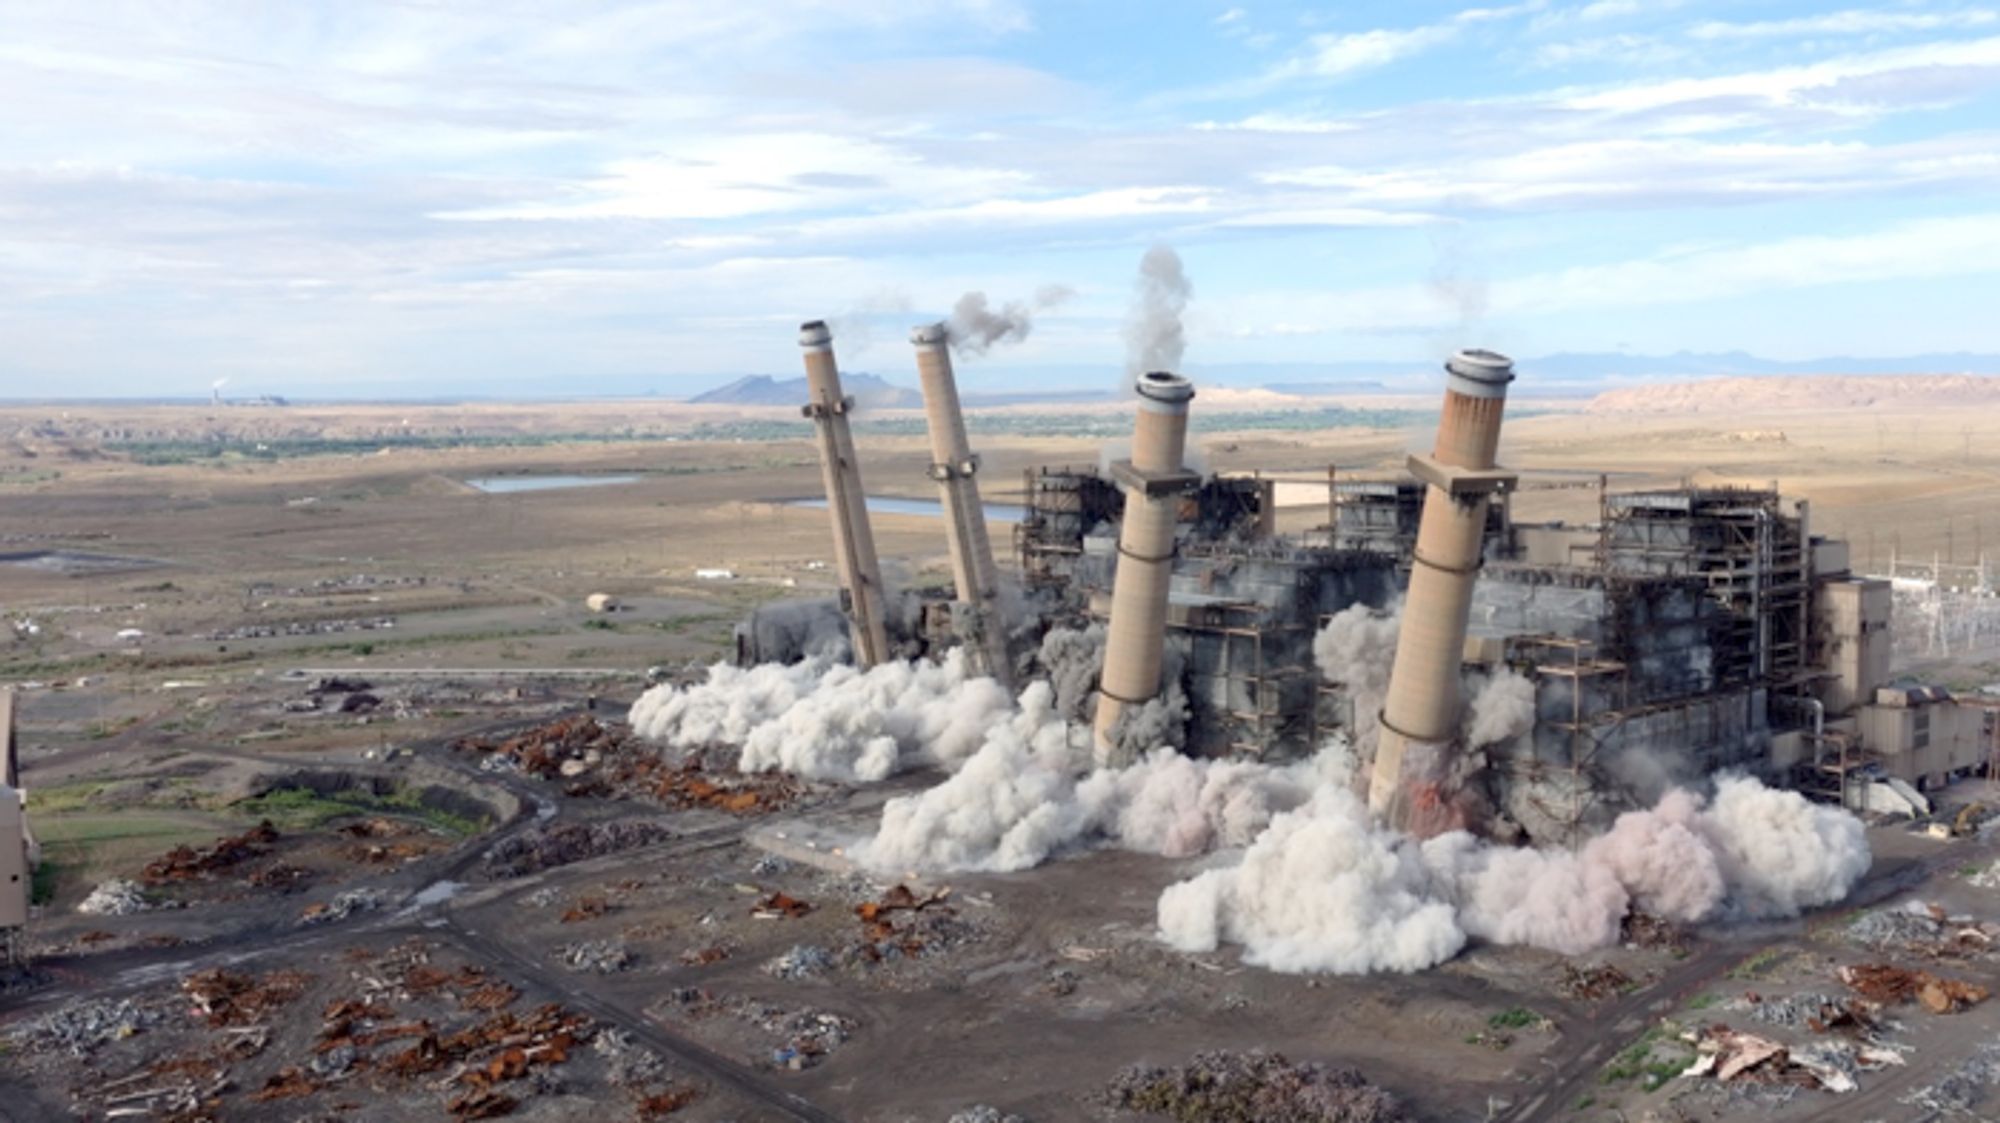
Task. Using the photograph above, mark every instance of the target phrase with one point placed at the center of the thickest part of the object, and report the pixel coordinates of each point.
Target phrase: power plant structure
(846, 500)
(955, 468)
(1686, 630)
(18, 853)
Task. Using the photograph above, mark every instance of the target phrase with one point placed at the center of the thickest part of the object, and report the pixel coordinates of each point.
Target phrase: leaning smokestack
(954, 467)
(1415, 786)
(1153, 480)
(853, 541)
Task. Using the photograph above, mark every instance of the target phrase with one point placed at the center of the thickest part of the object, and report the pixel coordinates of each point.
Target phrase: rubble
(1890, 985)
(1920, 928)
(805, 1036)
(981, 1113)
(605, 957)
(1725, 1055)
(780, 906)
(1256, 1085)
(184, 863)
(1821, 1013)
(80, 1028)
(222, 998)
(343, 906)
(804, 961)
(1644, 931)
(547, 847)
(590, 758)
(703, 957)
(586, 908)
(1962, 1089)
(1593, 984)
(117, 897)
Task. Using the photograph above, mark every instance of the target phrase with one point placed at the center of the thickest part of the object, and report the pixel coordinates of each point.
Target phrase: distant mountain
(868, 391)
(1804, 392)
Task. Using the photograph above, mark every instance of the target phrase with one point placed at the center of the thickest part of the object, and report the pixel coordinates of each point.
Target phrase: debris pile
(592, 759)
(547, 847)
(780, 906)
(1890, 985)
(804, 961)
(117, 897)
(805, 1037)
(184, 863)
(901, 924)
(1921, 928)
(222, 998)
(1821, 1013)
(1646, 932)
(604, 957)
(1961, 1090)
(1727, 1055)
(1593, 984)
(983, 1113)
(80, 1028)
(381, 841)
(343, 906)
(1255, 1085)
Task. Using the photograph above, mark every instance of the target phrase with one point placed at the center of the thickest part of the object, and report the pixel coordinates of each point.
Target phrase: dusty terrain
(268, 593)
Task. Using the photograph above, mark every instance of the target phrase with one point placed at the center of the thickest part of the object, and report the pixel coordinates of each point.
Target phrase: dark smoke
(1155, 339)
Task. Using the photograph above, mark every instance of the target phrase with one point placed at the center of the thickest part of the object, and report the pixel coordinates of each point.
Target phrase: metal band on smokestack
(1411, 787)
(954, 467)
(846, 502)
(1154, 480)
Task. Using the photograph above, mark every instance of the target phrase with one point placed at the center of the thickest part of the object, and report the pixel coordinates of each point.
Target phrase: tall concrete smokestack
(1413, 787)
(1153, 480)
(954, 467)
(846, 502)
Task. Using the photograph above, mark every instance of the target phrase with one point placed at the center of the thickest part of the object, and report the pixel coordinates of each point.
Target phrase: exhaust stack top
(955, 467)
(846, 502)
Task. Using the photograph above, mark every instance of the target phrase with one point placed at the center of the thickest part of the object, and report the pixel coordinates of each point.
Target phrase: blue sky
(388, 198)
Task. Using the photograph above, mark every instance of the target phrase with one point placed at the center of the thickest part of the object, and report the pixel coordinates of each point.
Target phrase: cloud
(1854, 21)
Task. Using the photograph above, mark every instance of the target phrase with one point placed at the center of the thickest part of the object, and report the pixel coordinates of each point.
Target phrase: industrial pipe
(846, 502)
(1414, 787)
(954, 467)
(1154, 480)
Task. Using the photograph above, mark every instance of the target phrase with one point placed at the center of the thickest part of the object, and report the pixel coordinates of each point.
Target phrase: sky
(389, 199)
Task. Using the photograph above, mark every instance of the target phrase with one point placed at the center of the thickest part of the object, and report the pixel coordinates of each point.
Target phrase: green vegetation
(219, 451)
(1638, 1062)
(599, 623)
(1518, 1017)
(45, 878)
(296, 809)
(1704, 1001)
(1584, 1101)
(1088, 424)
(1760, 965)
(363, 648)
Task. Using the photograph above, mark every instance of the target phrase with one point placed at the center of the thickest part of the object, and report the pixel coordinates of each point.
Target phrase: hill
(868, 391)
(1802, 392)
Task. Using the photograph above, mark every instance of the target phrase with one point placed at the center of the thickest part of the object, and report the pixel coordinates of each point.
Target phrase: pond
(502, 485)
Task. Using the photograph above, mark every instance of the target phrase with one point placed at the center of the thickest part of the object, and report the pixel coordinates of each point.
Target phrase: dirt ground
(269, 595)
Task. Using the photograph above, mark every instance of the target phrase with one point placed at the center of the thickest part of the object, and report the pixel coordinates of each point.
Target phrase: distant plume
(976, 326)
(853, 329)
(1155, 338)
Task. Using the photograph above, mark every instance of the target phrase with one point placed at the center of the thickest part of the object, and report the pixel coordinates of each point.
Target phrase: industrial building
(1685, 631)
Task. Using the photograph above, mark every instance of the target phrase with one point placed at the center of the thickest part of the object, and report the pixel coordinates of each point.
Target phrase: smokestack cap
(928, 335)
(814, 333)
(1161, 386)
(1479, 374)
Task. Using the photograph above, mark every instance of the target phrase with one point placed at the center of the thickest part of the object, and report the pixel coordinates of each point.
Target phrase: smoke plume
(975, 326)
(1155, 338)
(829, 721)
(1323, 889)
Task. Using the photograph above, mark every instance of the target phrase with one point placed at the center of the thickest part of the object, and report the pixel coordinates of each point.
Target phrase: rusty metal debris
(185, 863)
(586, 908)
(780, 906)
(591, 759)
(1889, 985)
(703, 957)
(901, 923)
(225, 999)
(1592, 984)
(659, 1105)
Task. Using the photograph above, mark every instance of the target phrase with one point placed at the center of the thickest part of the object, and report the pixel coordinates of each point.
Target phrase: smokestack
(1153, 480)
(10, 751)
(1413, 786)
(954, 467)
(846, 502)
